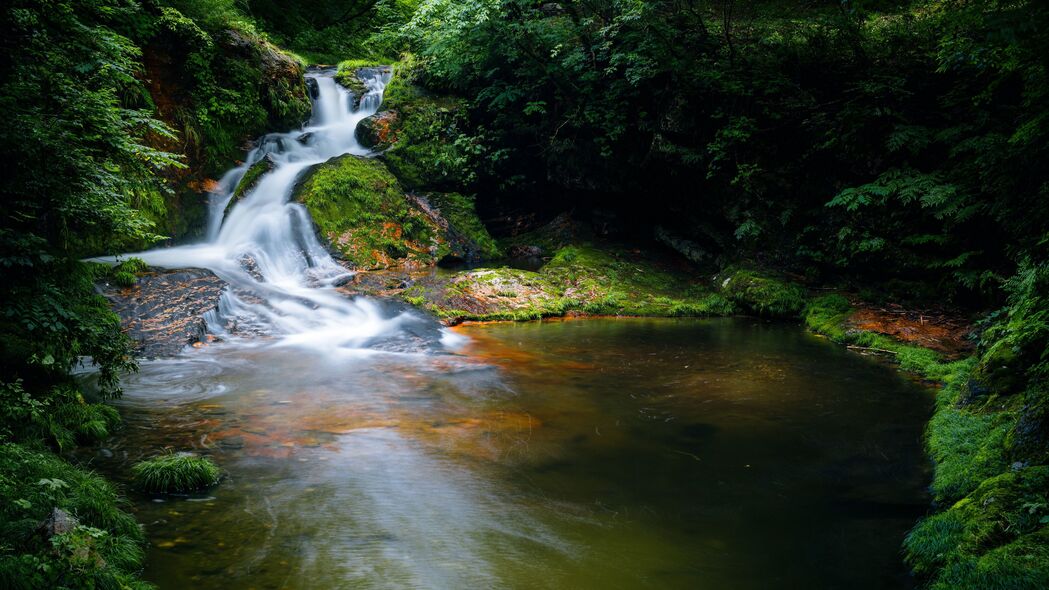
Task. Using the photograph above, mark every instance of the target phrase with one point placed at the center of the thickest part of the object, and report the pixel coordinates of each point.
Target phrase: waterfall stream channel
(364, 445)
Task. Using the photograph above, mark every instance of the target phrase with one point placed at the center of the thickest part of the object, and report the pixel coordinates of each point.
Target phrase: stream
(366, 446)
(602, 453)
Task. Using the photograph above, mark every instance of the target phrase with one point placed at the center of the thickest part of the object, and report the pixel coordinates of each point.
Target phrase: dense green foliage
(834, 139)
(100, 548)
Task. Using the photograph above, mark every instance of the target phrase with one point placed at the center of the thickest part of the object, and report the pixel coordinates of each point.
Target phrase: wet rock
(304, 138)
(465, 237)
(164, 312)
(313, 88)
(251, 266)
(354, 80)
(251, 179)
(687, 248)
(524, 251)
(378, 131)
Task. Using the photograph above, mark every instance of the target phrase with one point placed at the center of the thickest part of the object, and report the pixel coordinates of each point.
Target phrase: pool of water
(697, 454)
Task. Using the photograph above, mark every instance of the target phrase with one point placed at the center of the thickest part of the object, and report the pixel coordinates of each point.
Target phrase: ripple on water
(174, 381)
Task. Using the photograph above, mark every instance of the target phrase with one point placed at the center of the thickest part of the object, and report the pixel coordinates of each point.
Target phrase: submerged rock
(164, 312)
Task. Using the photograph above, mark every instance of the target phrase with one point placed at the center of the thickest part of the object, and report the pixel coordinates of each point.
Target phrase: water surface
(577, 454)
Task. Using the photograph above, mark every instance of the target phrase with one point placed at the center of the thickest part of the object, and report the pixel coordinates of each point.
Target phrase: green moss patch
(360, 209)
(250, 179)
(175, 473)
(762, 294)
(461, 216)
(996, 537)
(579, 279)
(123, 274)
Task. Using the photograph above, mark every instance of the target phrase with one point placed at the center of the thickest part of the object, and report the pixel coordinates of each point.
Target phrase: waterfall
(281, 279)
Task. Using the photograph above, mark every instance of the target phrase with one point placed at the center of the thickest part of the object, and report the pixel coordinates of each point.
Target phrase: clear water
(578, 454)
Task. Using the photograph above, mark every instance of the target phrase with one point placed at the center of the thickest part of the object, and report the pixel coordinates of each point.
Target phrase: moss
(762, 294)
(251, 178)
(103, 549)
(579, 279)
(123, 274)
(827, 315)
(459, 211)
(175, 473)
(996, 537)
(359, 207)
(993, 533)
(429, 150)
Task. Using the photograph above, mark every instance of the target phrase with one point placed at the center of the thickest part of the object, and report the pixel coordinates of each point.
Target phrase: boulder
(378, 131)
(365, 217)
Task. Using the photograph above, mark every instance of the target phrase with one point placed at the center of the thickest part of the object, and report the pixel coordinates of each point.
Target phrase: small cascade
(281, 279)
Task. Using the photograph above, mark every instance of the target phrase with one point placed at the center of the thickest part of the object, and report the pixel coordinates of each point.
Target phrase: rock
(378, 131)
(524, 251)
(687, 248)
(354, 80)
(313, 88)
(466, 237)
(304, 138)
(164, 312)
(250, 180)
(58, 522)
(365, 218)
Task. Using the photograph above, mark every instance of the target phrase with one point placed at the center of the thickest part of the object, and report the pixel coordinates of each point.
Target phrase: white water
(281, 278)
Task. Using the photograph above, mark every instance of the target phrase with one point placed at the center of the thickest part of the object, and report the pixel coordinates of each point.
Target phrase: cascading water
(281, 278)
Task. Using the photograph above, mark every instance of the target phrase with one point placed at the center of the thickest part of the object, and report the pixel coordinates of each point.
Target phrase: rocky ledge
(164, 311)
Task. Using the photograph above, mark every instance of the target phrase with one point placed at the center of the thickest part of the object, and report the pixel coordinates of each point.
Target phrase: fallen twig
(869, 349)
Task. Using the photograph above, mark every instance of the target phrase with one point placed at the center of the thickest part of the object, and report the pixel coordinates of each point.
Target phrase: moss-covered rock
(580, 279)
(762, 294)
(363, 213)
(422, 134)
(996, 537)
(467, 237)
(427, 150)
(250, 180)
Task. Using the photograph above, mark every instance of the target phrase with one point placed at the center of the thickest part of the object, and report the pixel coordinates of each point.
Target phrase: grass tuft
(175, 473)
